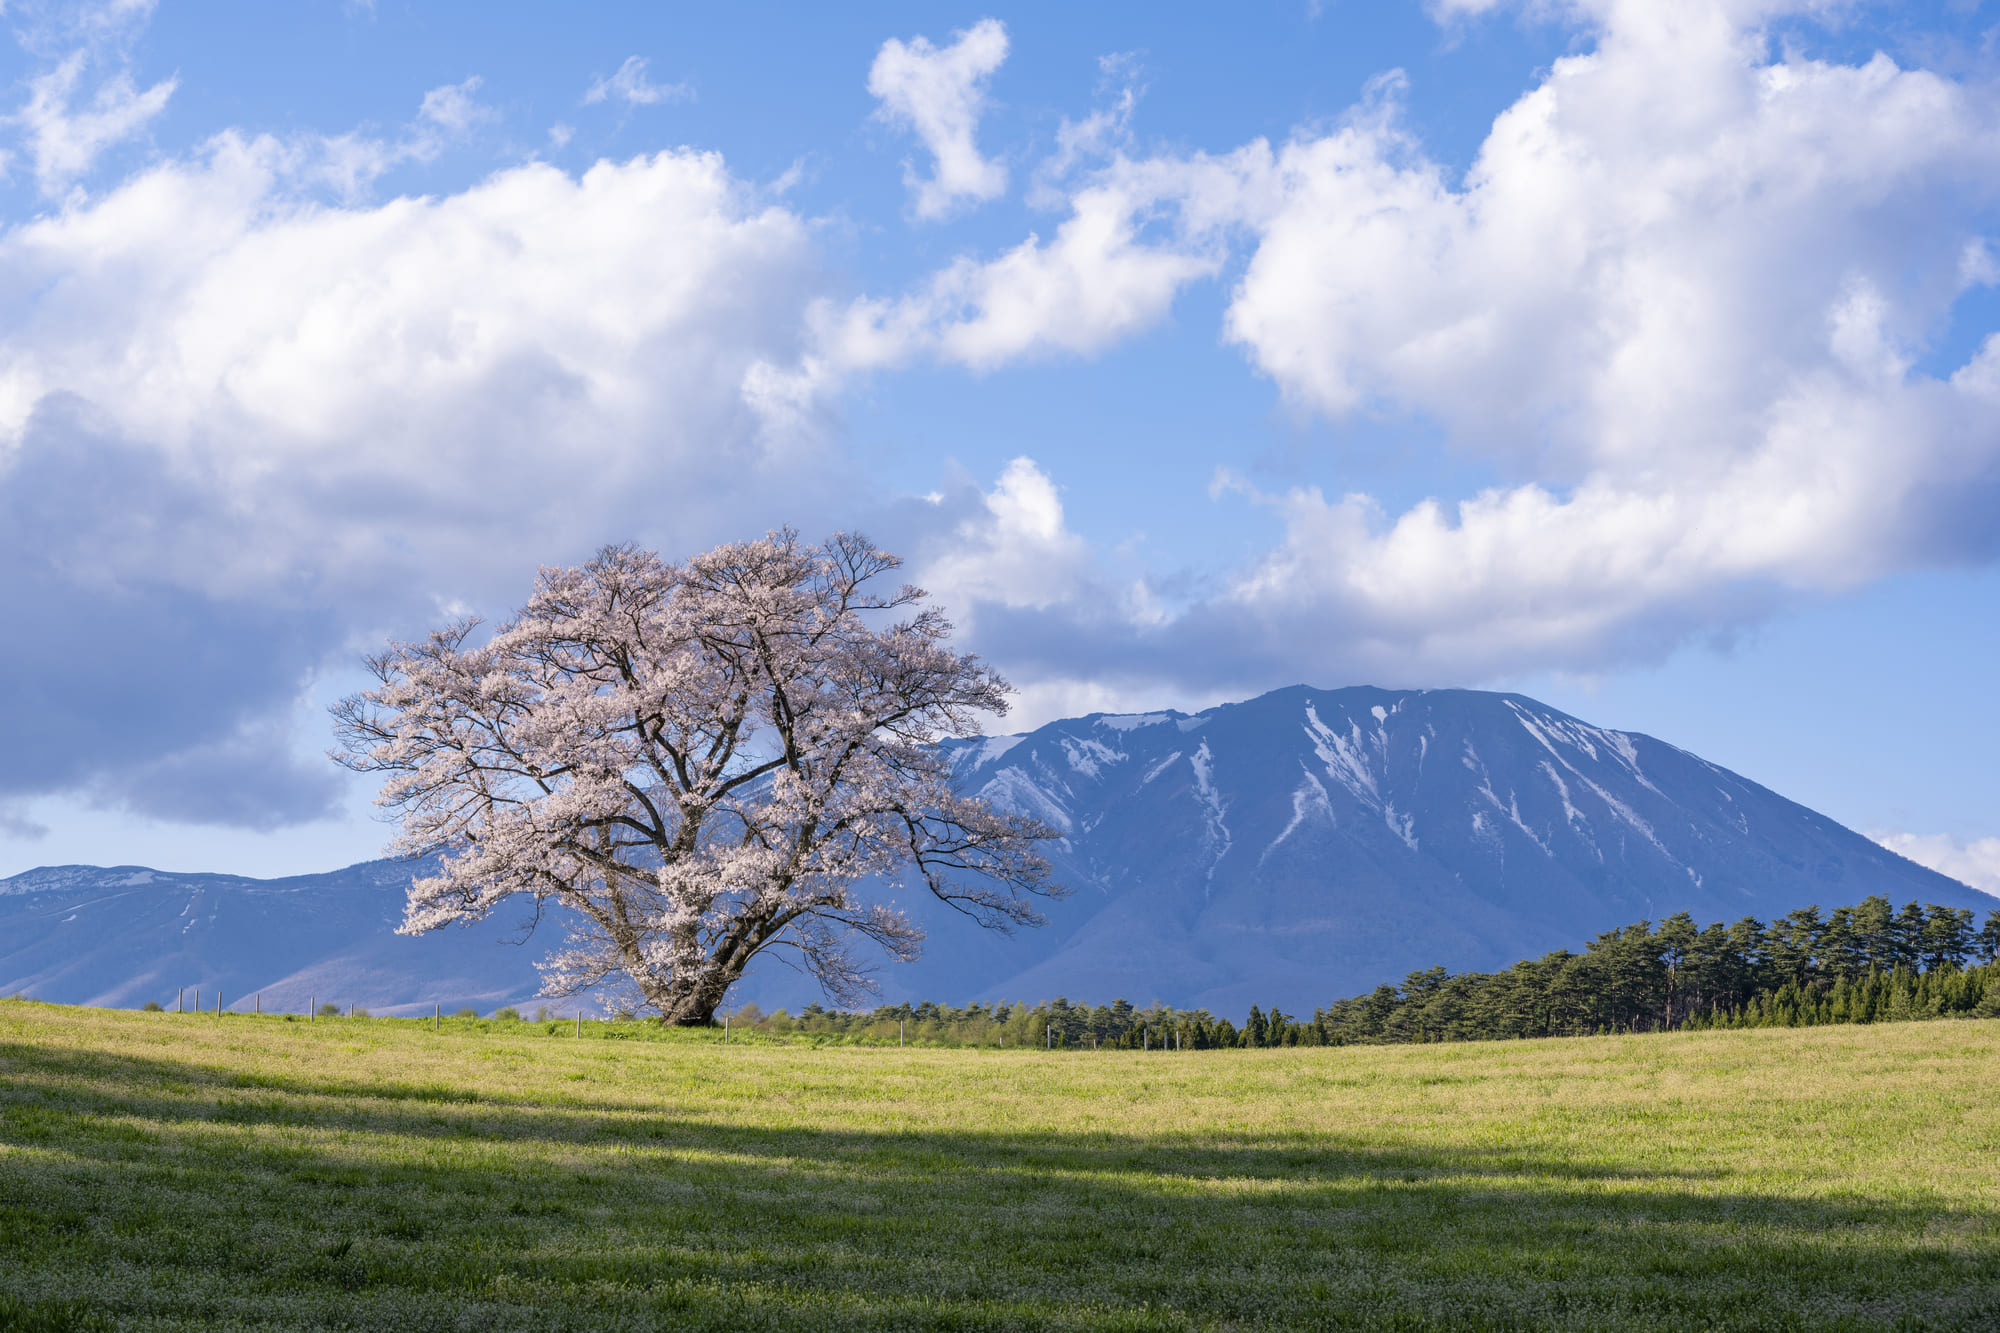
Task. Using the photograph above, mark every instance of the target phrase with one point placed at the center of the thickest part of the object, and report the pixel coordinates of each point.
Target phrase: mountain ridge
(1344, 837)
(1288, 849)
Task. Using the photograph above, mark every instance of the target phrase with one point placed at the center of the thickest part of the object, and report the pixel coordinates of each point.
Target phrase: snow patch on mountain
(1402, 825)
(1512, 809)
(1346, 757)
(1574, 818)
(1576, 737)
(1631, 817)
(1585, 738)
(1571, 814)
(1015, 792)
(1089, 757)
(1215, 833)
(1308, 798)
(1580, 737)
(987, 750)
(1132, 721)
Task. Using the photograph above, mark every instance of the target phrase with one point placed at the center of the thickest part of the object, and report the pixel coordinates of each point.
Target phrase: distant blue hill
(124, 935)
(1299, 847)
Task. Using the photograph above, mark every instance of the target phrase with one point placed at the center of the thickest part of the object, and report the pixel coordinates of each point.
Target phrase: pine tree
(1675, 942)
(1793, 946)
(1948, 936)
(1908, 933)
(1747, 947)
(1987, 945)
(1840, 948)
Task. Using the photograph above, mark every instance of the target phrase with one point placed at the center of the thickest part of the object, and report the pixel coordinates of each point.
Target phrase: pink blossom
(702, 761)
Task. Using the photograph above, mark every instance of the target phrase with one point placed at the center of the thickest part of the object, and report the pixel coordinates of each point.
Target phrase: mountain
(1309, 844)
(1298, 847)
(128, 934)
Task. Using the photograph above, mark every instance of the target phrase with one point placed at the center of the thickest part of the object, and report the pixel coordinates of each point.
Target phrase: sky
(1641, 358)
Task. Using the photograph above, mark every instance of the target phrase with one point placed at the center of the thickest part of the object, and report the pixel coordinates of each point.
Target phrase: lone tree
(700, 761)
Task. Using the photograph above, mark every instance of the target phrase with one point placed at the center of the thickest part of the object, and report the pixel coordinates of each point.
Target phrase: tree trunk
(695, 1006)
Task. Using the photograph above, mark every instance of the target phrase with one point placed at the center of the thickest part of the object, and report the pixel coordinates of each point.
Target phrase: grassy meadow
(166, 1171)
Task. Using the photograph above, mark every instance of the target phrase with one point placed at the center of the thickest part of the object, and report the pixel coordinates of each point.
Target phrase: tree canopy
(703, 761)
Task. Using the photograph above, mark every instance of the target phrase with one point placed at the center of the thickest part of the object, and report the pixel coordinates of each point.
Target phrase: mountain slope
(127, 934)
(1291, 849)
(1312, 843)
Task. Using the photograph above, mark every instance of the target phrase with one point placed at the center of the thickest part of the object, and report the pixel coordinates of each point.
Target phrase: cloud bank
(1686, 292)
(1688, 299)
(244, 432)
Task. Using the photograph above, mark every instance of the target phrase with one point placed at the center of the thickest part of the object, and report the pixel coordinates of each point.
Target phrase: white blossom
(702, 761)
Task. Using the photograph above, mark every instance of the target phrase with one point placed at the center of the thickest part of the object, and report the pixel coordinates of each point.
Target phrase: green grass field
(173, 1171)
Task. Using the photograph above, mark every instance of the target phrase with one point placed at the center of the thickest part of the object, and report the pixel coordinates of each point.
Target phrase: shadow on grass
(197, 1197)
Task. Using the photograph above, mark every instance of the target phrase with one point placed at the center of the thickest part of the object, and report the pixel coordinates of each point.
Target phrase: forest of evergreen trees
(1860, 964)
(1851, 965)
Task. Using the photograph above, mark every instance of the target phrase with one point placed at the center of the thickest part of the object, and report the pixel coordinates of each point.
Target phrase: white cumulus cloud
(1138, 233)
(1686, 287)
(940, 93)
(1682, 299)
(1019, 582)
(322, 420)
(1016, 551)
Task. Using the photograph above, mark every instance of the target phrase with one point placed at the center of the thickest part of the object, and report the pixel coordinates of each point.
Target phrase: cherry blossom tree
(702, 761)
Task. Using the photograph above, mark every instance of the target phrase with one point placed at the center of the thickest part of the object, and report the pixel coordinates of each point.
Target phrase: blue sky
(1632, 356)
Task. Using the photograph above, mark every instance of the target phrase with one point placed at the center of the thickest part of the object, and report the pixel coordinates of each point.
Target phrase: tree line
(1058, 1023)
(1860, 964)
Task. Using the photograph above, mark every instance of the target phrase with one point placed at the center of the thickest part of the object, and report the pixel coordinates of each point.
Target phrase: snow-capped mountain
(1309, 844)
(1299, 847)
